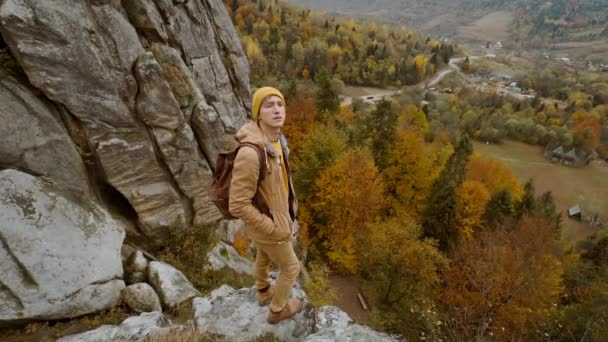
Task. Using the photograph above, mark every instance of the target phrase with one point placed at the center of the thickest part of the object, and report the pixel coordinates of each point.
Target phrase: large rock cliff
(149, 91)
(107, 107)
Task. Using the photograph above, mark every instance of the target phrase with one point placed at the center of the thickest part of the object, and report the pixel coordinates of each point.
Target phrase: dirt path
(346, 289)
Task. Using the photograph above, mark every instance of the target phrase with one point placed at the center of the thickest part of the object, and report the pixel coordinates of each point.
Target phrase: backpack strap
(257, 199)
(262, 158)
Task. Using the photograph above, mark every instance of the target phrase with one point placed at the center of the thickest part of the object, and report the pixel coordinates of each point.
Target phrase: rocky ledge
(234, 315)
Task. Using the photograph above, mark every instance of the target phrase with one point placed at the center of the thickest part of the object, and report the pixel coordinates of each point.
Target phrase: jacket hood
(250, 132)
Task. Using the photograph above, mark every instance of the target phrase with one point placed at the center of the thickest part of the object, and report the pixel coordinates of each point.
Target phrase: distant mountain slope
(530, 23)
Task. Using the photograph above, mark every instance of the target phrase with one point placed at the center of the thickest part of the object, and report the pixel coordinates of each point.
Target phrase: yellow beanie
(260, 95)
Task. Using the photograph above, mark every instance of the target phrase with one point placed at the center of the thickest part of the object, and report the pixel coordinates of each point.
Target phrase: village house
(572, 156)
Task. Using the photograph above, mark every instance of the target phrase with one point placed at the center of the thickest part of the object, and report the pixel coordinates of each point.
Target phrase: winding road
(453, 66)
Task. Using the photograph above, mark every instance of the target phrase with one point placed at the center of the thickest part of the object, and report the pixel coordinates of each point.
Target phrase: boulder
(235, 315)
(171, 284)
(226, 230)
(136, 268)
(141, 298)
(224, 255)
(132, 329)
(60, 256)
(334, 325)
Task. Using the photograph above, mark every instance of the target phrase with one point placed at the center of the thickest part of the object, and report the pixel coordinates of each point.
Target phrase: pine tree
(382, 126)
(439, 218)
(234, 6)
(327, 97)
(498, 210)
(528, 204)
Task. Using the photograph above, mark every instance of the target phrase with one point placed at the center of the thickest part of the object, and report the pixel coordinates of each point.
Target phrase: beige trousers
(289, 267)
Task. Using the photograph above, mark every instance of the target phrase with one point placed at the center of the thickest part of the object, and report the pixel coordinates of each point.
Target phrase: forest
(281, 39)
(446, 244)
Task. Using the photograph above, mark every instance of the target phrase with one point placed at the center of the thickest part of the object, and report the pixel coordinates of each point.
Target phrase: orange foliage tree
(587, 133)
(495, 175)
(348, 196)
(301, 116)
(501, 281)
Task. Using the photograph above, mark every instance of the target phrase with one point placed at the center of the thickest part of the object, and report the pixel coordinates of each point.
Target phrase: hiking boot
(264, 298)
(293, 307)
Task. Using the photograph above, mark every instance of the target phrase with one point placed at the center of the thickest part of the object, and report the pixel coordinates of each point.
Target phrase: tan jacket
(283, 207)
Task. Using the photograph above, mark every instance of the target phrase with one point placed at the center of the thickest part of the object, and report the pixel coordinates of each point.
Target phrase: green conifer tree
(327, 100)
(439, 217)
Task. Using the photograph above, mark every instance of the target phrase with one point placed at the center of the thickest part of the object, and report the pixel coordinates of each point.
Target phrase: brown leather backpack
(219, 191)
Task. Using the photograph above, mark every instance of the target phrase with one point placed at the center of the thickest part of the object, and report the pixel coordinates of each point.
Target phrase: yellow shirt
(277, 147)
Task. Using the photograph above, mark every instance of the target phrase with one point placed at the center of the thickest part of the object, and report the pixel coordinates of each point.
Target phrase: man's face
(272, 112)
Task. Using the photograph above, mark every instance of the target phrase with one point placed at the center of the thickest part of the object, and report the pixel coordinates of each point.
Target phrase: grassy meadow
(587, 186)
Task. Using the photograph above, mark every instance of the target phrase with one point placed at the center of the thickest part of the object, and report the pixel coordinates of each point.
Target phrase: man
(272, 234)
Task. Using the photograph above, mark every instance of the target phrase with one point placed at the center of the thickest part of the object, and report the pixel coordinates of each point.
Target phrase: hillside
(523, 23)
(287, 40)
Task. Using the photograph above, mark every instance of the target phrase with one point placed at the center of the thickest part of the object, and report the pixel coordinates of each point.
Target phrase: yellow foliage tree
(472, 199)
(413, 166)
(421, 62)
(348, 196)
(412, 116)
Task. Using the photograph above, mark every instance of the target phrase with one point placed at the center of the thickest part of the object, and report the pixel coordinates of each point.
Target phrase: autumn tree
(348, 196)
(501, 280)
(412, 116)
(472, 199)
(301, 118)
(412, 167)
(320, 148)
(404, 272)
(495, 175)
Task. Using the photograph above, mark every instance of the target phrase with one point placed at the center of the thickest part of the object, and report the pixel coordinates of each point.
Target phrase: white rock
(235, 315)
(224, 255)
(334, 325)
(59, 258)
(132, 329)
(141, 298)
(171, 284)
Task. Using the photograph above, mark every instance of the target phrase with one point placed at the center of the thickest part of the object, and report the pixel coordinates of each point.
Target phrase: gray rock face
(32, 138)
(235, 315)
(81, 54)
(59, 258)
(154, 121)
(171, 284)
(132, 329)
(160, 111)
(141, 298)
